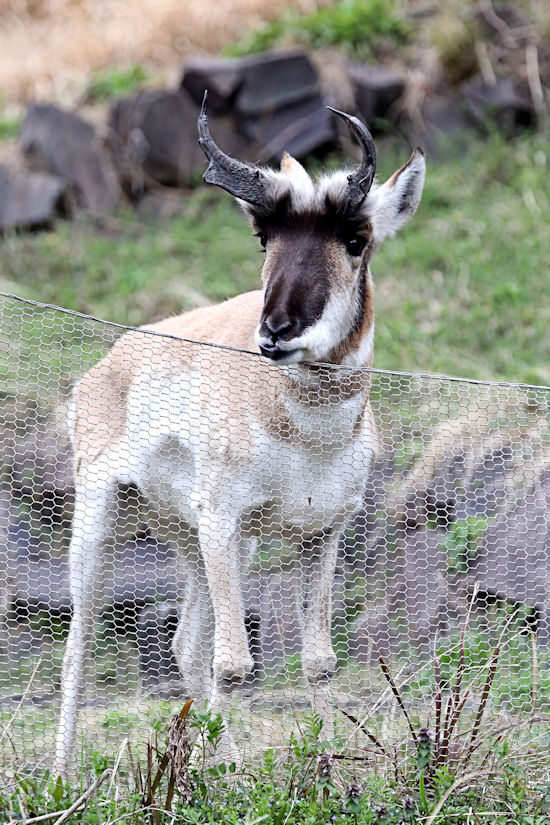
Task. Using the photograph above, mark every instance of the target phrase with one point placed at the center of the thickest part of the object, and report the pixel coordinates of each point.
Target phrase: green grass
(9, 127)
(361, 28)
(459, 290)
(357, 778)
(116, 82)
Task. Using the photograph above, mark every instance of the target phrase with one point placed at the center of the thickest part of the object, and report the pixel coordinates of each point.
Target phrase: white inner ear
(391, 205)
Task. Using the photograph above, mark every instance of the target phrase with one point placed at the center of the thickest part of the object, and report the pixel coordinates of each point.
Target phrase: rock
(299, 129)
(274, 101)
(376, 88)
(220, 76)
(514, 564)
(41, 585)
(441, 116)
(417, 599)
(160, 204)
(29, 200)
(502, 104)
(158, 669)
(64, 144)
(7, 555)
(271, 598)
(138, 572)
(154, 138)
(252, 85)
(273, 80)
(37, 461)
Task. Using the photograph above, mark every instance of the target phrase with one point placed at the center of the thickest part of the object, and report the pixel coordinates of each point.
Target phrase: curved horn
(360, 181)
(240, 179)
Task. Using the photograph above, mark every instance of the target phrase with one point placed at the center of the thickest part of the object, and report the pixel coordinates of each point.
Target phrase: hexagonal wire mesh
(447, 540)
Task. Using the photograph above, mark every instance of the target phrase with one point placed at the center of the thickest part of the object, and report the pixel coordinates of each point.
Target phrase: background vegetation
(460, 290)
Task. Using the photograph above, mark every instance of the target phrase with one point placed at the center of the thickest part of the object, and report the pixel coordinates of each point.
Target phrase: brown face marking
(306, 259)
(298, 284)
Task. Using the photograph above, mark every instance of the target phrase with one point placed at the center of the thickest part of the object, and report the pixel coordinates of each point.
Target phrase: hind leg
(192, 644)
(93, 526)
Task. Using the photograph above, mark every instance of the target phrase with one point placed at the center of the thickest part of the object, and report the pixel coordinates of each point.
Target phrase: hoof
(319, 668)
(232, 671)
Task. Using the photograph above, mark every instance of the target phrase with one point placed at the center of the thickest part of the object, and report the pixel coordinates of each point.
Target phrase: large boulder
(502, 103)
(139, 571)
(63, 144)
(514, 564)
(252, 85)
(297, 128)
(376, 88)
(154, 140)
(29, 200)
(273, 98)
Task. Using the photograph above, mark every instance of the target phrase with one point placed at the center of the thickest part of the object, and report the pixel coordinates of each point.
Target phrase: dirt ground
(49, 47)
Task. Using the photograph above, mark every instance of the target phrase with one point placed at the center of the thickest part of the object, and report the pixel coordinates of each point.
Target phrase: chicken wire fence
(442, 568)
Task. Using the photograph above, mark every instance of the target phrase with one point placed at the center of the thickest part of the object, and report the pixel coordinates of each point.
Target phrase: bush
(359, 27)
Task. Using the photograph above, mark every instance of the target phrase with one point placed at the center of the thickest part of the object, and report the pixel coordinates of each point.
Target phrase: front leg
(221, 550)
(318, 658)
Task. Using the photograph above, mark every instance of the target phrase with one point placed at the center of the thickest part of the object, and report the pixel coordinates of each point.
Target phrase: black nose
(277, 326)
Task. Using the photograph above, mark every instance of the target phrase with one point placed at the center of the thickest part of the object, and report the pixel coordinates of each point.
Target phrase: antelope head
(318, 238)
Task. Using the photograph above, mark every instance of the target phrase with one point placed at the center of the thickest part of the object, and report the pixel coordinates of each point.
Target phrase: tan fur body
(225, 445)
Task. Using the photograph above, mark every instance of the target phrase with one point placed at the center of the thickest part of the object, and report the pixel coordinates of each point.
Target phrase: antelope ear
(394, 203)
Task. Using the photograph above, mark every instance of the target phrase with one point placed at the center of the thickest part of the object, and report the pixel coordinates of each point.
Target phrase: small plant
(108, 83)
(9, 127)
(462, 543)
(360, 27)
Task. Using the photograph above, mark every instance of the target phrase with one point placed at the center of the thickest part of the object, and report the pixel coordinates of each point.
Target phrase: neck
(357, 349)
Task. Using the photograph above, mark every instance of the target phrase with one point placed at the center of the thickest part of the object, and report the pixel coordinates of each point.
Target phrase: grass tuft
(116, 82)
(362, 28)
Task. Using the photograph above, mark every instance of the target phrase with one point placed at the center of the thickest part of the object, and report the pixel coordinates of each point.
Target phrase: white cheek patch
(330, 330)
(363, 354)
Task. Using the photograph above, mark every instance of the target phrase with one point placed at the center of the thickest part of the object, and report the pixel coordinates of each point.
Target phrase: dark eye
(355, 245)
(263, 238)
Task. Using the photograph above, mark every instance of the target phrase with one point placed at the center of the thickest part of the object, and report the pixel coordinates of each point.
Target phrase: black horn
(360, 181)
(240, 179)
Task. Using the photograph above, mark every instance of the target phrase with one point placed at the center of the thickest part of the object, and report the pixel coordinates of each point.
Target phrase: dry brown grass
(49, 47)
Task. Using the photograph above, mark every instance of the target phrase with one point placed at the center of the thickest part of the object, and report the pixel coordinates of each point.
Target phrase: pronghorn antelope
(222, 448)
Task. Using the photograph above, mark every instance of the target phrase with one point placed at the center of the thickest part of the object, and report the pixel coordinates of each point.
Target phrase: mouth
(281, 356)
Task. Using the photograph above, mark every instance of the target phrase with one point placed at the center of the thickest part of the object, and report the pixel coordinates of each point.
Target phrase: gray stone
(154, 139)
(514, 564)
(376, 88)
(159, 672)
(299, 129)
(29, 200)
(501, 103)
(442, 116)
(417, 599)
(273, 80)
(139, 571)
(59, 142)
(220, 76)
(251, 85)
(273, 99)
